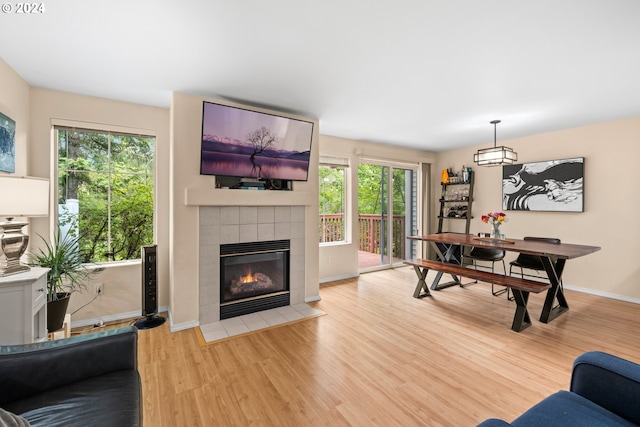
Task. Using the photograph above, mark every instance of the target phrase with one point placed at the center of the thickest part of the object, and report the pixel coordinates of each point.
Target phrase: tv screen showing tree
(244, 143)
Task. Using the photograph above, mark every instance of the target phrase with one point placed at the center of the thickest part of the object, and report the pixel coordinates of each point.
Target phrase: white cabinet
(23, 307)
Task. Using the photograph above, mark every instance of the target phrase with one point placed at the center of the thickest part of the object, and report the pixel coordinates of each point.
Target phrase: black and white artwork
(554, 185)
(7, 144)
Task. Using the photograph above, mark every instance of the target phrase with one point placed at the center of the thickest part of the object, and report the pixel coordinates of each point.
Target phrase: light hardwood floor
(380, 357)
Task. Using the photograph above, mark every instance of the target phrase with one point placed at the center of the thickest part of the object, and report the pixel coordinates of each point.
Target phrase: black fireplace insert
(254, 276)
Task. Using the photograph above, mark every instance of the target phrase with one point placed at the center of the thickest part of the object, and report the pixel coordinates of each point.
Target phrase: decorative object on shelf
(554, 185)
(459, 211)
(21, 196)
(495, 219)
(7, 144)
(445, 176)
(67, 274)
(495, 156)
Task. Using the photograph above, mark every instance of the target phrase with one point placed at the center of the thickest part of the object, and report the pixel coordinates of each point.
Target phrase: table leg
(446, 257)
(521, 319)
(421, 289)
(549, 310)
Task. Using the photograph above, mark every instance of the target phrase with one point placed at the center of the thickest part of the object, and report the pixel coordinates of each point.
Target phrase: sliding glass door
(387, 214)
(405, 213)
(373, 208)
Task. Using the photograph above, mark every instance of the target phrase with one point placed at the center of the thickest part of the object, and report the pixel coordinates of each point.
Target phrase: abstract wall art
(7, 144)
(554, 185)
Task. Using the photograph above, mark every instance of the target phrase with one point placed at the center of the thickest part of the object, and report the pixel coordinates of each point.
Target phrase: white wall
(122, 291)
(14, 103)
(611, 151)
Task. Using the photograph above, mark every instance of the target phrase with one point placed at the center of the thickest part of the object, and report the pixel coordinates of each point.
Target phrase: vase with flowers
(495, 219)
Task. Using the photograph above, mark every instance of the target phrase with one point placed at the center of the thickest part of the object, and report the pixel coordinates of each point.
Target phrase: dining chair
(532, 262)
(488, 255)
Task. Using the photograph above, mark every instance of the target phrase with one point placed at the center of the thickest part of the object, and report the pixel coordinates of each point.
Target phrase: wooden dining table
(553, 255)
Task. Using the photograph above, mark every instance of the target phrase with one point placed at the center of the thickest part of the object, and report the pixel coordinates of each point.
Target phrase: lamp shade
(23, 196)
(495, 156)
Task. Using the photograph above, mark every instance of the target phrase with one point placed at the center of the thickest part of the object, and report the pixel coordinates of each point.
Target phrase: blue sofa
(604, 391)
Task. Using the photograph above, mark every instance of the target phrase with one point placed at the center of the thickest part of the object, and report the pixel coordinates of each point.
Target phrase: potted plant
(67, 274)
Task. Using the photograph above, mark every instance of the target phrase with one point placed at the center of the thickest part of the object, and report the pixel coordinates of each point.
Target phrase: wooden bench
(520, 287)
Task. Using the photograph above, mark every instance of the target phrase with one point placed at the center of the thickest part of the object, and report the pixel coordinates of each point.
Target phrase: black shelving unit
(456, 201)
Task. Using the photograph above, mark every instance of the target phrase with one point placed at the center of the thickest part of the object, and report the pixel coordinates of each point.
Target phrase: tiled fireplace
(232, 225)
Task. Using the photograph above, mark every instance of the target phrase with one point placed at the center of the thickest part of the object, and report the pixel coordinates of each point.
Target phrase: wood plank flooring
(380, 358)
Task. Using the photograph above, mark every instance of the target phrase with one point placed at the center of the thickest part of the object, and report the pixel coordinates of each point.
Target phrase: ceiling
(426, 74)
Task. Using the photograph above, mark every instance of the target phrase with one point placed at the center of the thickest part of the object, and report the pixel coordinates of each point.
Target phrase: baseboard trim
(602, 294)
(336, 278)
(182, 326)
(111, 318)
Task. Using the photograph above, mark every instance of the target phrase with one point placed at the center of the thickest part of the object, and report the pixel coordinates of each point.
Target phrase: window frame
(338, 162)
(56, 125)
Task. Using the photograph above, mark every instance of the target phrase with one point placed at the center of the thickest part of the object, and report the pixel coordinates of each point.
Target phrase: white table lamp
(20, 196)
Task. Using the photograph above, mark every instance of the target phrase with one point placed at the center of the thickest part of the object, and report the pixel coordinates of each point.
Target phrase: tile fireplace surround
(239, 224)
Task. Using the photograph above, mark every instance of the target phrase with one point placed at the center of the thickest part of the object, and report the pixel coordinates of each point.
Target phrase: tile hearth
(244, 324)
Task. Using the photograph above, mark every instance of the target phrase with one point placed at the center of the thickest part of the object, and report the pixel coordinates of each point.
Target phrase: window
(106, 192)
(332, 199)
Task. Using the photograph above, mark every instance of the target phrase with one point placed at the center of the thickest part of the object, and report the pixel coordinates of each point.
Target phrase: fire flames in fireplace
(251, 284)
(248, 278)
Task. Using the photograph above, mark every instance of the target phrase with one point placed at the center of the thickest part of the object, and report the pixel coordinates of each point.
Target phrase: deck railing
(332, 228)
(369, 237)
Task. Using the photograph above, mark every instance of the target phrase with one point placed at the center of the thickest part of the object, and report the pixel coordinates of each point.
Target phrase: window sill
(98, 267)
(340, 243)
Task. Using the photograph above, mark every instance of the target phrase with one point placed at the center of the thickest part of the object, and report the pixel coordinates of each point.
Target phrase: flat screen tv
(243, 143)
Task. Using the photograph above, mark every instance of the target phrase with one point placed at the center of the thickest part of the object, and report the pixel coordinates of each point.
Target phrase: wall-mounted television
(242, 143)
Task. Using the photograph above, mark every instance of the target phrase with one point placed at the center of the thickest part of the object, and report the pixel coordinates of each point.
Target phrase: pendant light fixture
(495, 156)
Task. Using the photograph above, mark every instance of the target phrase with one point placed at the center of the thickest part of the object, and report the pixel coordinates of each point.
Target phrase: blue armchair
(604, 391)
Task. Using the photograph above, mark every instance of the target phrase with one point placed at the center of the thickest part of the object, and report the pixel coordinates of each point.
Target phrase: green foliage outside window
(371, 181)
(331, 190)
(332, 203)
(111, 177)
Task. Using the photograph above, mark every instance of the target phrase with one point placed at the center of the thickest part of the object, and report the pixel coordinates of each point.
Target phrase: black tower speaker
(149, 289)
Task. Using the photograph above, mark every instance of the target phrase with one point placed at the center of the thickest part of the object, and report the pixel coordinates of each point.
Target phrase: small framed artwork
(7, 144)
(552, 186)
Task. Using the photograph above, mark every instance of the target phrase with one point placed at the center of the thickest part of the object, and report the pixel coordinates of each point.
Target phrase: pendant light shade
(495, 156)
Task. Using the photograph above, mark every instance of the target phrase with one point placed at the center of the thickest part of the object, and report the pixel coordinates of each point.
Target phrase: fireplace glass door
(253, 275)
(253, 272)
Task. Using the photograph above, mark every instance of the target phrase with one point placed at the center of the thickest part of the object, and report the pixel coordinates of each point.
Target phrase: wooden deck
(368, 260)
